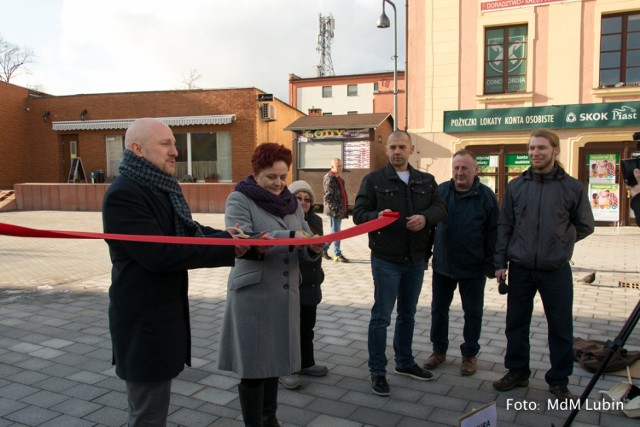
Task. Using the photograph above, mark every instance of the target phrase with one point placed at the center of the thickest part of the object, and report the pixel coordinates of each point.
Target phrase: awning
(224, 119)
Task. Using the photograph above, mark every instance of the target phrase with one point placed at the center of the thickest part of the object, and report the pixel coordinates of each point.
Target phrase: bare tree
(13, 60)
(189, 81)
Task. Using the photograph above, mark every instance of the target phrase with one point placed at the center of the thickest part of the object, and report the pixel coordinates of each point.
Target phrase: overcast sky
(90, 46)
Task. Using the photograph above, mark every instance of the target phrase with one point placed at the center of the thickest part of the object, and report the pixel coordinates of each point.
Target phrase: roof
(344, 121)
(124, 123)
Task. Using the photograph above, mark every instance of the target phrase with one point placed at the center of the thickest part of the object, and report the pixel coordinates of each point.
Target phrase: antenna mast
(325, 35)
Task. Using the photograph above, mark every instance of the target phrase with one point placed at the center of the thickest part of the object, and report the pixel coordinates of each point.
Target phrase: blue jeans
(556, 292)
(335, 227)
(393, 281)
(472, 296)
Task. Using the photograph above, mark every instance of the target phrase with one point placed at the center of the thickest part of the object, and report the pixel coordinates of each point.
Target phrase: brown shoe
(469, 365)
(510, 381)
(434, 360)
(561, 392)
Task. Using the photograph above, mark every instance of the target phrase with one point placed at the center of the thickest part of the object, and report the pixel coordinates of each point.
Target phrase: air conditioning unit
(267, 112)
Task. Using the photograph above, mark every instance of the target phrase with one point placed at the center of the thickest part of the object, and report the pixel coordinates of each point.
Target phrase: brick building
(216, 130)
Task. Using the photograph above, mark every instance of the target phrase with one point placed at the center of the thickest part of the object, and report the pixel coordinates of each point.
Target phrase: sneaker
(434, 360)
(469, 365)
(325, 254)
(415, 372)
(315, 371)
(511, 380)
(561, 392)
(340, 258)
(380, 386)
(290, 382)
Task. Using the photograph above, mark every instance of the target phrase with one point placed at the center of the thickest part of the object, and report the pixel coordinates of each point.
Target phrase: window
(327, 114)
(204, 155)
(327, 91)
(352, 112)
(620, 50)
(352, 90)
(201, 155)
(375, 87)
(318, 154)
(505, 59)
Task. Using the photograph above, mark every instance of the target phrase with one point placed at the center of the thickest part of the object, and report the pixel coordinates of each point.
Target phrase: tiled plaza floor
(55, 350)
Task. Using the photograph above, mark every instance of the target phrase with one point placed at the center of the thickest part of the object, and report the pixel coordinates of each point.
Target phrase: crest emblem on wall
(496, 54)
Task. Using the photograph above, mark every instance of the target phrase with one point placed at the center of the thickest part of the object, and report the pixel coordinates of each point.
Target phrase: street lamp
(383, 22)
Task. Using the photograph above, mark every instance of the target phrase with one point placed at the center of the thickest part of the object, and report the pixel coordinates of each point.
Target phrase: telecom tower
(326, 25)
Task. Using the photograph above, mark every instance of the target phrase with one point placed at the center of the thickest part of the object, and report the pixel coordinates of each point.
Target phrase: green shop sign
(516, 160)
(576, 116)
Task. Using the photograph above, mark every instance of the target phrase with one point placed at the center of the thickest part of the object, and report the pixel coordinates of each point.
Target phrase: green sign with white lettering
(517, 160)
(576, 116)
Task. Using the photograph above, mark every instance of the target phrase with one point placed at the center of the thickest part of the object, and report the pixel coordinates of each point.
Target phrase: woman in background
(310, 292)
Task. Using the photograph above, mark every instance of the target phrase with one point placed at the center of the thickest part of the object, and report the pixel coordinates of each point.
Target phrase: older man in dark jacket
(544, 213)
(398, 254)
(462, 256)
(148, 305)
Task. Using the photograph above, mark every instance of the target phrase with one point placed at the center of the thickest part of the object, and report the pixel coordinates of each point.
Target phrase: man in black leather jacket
(398, 254)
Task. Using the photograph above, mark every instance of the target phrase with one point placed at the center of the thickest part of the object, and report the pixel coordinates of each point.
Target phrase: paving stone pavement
(55, 350)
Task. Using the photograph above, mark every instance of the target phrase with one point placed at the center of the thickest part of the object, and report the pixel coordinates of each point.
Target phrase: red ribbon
(367, 227)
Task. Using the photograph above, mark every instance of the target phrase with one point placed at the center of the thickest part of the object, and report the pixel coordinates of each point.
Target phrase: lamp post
(383, 22)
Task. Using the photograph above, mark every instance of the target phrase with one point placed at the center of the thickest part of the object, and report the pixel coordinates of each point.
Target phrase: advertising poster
(356, 154)
(604, 199)
(602, 168)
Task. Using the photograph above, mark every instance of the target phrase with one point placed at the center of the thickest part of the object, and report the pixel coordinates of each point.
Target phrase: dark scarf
(284, 204)
(147, 174)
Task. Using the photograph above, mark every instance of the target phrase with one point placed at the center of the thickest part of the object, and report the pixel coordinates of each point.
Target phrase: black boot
(251, 401)
(270, 406)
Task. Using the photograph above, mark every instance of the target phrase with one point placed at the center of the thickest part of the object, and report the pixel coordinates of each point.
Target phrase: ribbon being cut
(386, 219)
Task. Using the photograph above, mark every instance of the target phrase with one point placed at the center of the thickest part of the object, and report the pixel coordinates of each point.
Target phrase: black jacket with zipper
(383, 189)
(542, 217)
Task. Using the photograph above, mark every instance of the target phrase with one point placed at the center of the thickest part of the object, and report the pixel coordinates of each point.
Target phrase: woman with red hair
(260, 339)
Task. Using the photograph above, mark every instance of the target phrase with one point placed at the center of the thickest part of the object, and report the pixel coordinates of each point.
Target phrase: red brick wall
(39, 148)
(14, 120)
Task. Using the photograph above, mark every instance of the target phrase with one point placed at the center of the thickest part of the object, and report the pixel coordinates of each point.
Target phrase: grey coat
(260, 335)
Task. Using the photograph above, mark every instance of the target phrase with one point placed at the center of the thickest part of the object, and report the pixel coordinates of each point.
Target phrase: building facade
(348, 94)
(216, 131)
(484, 73)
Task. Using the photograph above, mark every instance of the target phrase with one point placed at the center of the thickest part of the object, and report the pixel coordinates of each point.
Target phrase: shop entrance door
(499, 164)
(68, 151)
(600, 173)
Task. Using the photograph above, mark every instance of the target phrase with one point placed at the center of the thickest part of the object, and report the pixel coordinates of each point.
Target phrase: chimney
(314, 112)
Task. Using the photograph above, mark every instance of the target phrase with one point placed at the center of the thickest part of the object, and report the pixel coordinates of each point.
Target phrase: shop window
(327, 91)
(499, 164)
(505, 59)
(352, 90)
(620, 50)
(318, 155)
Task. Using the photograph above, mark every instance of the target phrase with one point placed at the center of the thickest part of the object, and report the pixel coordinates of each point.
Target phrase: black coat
(148, 305)
(311, 271)
(383, 189)
(466, 240)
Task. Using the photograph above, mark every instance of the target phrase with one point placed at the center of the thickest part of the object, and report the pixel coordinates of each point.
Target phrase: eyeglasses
(304, 199)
